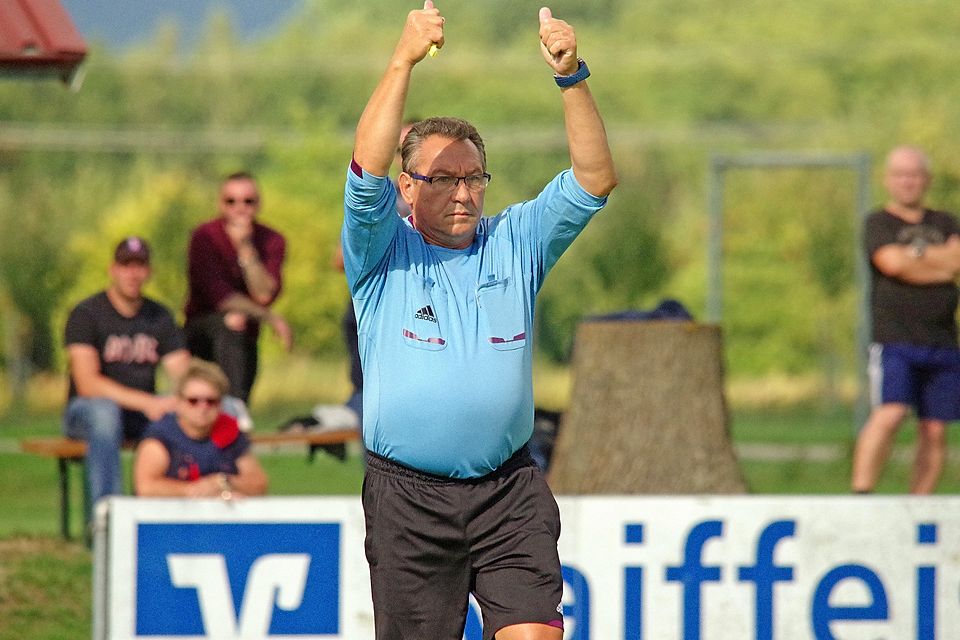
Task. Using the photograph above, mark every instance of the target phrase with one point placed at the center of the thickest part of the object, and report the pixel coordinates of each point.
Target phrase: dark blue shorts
(433, 541)
(925, 378)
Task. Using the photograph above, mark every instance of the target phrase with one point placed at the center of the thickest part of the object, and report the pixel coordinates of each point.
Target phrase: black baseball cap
(132, 249)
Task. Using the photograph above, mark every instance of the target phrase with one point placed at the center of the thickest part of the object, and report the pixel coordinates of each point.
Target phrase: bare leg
(930, 457)
(873, 445)
(530, 631)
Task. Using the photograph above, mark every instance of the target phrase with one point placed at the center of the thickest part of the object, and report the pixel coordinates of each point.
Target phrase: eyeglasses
(475, 183)
(210, 401)
(247, 201)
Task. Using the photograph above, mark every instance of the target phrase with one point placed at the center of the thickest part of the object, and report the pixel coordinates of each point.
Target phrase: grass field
(45, 582)
(802, 450)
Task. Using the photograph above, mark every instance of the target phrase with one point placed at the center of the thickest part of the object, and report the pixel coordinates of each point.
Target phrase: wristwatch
(226, 489)
(917, 248)
(582, 73)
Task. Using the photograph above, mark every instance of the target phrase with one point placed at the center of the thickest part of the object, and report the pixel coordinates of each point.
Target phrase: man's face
(906, 178)
(198, 406)
(239, 201)
(445, 217)
(129, 278)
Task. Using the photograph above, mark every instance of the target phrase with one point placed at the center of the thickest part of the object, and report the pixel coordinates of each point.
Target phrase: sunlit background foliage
(142, 146)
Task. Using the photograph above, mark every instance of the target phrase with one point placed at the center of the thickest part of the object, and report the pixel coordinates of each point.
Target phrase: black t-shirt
(130, 348)
(909, 313)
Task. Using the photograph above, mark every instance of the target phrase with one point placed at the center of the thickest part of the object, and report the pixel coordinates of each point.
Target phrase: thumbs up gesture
(423, 30)
(558, 43)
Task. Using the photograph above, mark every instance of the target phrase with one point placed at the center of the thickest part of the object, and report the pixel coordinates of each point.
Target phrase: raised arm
(586, 137)
(379, 126)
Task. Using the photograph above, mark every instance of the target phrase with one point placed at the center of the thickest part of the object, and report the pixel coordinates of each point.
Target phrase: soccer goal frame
(859, 164)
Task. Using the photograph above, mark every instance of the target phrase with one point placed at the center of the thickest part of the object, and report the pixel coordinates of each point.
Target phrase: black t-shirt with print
(130, 348)
(909, 313)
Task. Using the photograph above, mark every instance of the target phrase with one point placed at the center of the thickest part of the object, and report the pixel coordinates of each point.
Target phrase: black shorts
(431, 541)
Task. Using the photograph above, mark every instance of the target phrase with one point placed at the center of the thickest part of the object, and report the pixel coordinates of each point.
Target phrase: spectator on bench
(115, 341)
(198, 451)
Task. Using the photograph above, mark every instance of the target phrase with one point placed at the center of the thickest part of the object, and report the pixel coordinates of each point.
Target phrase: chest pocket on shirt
(421, 325)
(503, 314)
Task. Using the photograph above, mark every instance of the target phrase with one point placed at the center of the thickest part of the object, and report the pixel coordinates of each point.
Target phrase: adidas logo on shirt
(427, 314)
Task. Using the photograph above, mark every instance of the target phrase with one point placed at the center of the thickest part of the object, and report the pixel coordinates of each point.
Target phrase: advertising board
(635, 568)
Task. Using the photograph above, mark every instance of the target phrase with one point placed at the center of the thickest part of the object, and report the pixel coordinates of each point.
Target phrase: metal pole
(715, 241)
(864, 328)
(860, 163)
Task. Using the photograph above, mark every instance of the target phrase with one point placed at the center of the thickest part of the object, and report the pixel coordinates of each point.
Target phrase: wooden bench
(66, 451)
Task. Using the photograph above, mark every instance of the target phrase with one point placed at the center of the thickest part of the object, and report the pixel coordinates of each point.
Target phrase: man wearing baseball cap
(132, 249)
(115, 341)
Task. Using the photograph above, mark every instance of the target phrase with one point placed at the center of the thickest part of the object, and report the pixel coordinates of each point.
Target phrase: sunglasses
(247, 201)
(193, 401)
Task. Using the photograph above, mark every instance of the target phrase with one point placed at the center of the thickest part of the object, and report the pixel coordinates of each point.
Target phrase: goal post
(857, 163)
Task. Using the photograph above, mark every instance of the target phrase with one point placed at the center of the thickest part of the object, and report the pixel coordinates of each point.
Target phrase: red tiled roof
(38, 37)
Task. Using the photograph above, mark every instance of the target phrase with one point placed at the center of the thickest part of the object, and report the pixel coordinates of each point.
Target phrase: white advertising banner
(635, 568)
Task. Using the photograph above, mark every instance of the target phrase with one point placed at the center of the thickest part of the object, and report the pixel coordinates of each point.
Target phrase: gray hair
(445, 127)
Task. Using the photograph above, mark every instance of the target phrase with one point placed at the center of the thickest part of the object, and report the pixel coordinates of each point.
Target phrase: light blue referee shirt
(446, 335)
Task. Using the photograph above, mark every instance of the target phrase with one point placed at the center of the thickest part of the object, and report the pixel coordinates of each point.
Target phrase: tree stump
(647, 413)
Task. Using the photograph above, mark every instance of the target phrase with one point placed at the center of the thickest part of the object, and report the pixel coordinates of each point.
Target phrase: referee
(444, 298)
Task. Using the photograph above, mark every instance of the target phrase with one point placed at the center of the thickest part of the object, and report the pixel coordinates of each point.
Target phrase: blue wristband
(582, 73)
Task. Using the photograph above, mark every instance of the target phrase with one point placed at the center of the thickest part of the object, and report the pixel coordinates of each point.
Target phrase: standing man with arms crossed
(234, 275)
(914, 255)
(115, 341)
(453, 502)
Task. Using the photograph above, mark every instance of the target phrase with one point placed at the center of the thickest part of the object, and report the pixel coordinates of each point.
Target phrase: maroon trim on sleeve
(356, 168)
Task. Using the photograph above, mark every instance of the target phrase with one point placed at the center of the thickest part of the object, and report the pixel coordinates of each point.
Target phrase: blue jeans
(104, 425)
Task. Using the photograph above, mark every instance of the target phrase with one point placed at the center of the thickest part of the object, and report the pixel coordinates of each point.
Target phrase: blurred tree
(305, 191)
(34, 270)
(141, 149)
(618, 263)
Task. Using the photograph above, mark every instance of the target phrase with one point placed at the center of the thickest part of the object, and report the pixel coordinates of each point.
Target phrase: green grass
(797, 477)
(30, 500)
(44, 589)
(802, 424)
(793, 425)
(811, 426)
(44, 581)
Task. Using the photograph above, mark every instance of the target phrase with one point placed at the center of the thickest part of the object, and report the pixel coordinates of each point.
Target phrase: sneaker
(238, 409)
(333, 417)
